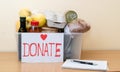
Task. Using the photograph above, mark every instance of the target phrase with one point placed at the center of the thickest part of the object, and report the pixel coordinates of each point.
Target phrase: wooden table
(9, 62)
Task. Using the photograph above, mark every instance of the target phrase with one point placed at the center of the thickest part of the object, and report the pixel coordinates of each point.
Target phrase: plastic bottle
(34, 27)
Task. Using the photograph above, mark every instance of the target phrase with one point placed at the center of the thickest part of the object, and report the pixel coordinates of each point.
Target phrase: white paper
(99, 65)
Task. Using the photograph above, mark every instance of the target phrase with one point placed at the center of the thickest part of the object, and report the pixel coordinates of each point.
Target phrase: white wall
(103, 15)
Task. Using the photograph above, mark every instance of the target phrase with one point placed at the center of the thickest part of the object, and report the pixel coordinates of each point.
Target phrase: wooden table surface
(9, 62)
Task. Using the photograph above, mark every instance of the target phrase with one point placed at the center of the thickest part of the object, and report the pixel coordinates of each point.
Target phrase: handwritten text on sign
(42, 47)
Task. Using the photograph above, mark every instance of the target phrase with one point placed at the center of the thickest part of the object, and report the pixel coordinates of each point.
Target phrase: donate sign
(42, 47)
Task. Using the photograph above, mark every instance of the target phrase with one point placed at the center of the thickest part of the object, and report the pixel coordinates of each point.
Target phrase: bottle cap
(34, 23)
(22, 19)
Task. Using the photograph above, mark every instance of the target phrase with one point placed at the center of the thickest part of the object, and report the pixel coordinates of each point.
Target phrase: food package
(78, 26)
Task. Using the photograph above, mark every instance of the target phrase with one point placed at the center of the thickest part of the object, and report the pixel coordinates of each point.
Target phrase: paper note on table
(85, 64)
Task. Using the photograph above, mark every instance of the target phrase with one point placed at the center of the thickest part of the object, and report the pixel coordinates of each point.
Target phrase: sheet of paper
(99, 65)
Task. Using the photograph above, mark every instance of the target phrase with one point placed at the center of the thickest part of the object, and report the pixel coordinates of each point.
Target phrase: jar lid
(34, 23)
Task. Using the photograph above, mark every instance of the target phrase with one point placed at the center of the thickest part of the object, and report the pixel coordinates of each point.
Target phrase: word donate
(42, 47)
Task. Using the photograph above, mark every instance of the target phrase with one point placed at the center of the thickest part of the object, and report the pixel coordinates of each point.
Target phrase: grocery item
(28, 25)
(70, 16)
(56, 20)
(40, 18)
(24, 12)
(34, 27)
(55, 24)
(78, 26)
(49, 30)
(50, 15)
(17, 25)
(22, 25)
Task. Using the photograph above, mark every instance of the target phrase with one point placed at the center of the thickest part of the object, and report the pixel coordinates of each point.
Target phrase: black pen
(84, 62)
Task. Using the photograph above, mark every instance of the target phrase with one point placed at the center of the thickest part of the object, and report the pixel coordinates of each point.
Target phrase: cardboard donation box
(41, 47)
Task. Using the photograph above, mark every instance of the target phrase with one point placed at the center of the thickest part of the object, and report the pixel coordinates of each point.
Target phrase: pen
(83, 62)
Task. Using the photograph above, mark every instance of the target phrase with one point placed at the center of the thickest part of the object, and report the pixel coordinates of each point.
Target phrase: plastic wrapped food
(78, 26)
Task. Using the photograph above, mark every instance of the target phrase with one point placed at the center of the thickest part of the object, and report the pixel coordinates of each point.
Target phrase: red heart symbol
(43, 36)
